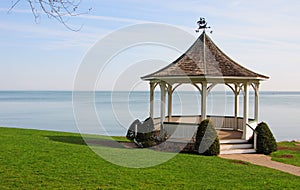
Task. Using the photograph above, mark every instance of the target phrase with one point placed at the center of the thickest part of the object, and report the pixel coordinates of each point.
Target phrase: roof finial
(202, 24)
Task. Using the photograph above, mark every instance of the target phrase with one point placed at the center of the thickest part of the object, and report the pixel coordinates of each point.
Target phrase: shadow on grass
(87, 141)
(68, 139)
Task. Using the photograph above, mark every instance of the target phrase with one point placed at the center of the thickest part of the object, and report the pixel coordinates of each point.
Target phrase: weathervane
(202, 24)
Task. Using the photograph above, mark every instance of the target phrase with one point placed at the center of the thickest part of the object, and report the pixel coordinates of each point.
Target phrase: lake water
(53, 110)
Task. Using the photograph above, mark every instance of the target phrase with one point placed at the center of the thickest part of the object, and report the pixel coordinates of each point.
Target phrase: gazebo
(204, 66)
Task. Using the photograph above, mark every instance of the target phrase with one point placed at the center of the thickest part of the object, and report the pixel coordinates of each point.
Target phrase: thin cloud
(115, 19)
(14, 10)
(58, 39)
(84, 16)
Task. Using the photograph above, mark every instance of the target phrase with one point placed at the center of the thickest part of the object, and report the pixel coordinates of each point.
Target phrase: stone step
(235, 146)
(238, 151)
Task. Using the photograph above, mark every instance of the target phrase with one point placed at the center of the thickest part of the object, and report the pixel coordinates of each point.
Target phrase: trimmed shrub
(266, 143)
(142, 133)
(147, 126)
(144, 140)
(207, 141)
(131, 131)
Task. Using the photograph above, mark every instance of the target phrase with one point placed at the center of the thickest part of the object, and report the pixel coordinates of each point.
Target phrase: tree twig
(61, 10)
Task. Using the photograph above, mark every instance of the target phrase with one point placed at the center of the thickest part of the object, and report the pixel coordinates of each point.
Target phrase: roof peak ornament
(202, 24)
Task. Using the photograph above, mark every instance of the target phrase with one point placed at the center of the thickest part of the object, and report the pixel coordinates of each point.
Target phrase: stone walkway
(263, 160)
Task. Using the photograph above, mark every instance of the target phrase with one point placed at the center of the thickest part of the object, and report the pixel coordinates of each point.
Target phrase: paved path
(263, 160)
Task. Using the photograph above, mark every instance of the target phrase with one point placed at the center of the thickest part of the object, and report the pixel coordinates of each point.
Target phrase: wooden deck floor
(228, 134)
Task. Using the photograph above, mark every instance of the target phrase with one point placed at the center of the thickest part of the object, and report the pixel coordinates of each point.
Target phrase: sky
(262, 35)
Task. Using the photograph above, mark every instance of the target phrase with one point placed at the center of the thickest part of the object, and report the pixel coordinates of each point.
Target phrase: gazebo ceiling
(204, 60)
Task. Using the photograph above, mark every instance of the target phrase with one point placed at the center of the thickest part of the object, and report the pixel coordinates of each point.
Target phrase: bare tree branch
(61, 10)
(13, 5)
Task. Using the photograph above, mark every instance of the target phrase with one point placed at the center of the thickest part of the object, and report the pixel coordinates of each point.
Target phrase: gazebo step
(179, 140)
(235, 146)
(233, 141)
(238, 151)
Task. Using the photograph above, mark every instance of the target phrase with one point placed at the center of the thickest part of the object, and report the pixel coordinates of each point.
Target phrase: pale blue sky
(263, 35)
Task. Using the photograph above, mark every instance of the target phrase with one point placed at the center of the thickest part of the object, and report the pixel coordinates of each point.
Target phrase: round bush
(142, 133)
(266, 143)
(144, 140)
(131, 132)
(207, 141)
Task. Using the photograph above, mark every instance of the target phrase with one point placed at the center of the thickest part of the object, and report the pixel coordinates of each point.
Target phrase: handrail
(251, 127)
(254, 136)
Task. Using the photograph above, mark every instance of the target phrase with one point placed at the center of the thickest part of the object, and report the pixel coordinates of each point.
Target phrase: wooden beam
(170, 93)
(236, 105)
(162, 104)
(152, 86)
(203, 100)
(246, 109)
(256, 102)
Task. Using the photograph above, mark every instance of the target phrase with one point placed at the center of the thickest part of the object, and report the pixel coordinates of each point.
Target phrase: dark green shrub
(142, 133)
(207, 141)
(266, 142)
(131, 132)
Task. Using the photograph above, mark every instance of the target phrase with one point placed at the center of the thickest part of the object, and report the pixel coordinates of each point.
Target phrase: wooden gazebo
(204, 66)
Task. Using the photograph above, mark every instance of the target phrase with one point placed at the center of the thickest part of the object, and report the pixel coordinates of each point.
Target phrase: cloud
(84, 16)
(115, 19)
(60, 38)
(56, 38)
(15, 10)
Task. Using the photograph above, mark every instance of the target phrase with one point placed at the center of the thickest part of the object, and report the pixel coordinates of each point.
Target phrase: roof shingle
(204, 58)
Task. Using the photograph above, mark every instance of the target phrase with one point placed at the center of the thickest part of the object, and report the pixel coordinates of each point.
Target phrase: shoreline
(123, 136)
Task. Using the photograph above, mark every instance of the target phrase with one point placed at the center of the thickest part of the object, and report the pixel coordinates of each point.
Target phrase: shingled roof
(204, 59)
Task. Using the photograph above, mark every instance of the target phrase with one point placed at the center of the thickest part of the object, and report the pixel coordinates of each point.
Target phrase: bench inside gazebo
(204, 66)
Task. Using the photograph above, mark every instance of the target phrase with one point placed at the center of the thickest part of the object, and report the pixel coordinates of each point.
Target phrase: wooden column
(236, 105)
(170, 102)
(152, 100)
(203, 101)
(162, 104)
(246, 108)
(256, 102)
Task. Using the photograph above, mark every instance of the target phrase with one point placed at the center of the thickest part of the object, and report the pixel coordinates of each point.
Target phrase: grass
(288, 153)
(32, 159)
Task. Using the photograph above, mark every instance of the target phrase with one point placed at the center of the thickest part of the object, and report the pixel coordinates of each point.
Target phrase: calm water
(52, 110)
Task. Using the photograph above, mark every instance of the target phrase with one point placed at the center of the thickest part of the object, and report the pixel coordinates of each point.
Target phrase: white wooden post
(236, 105)
(152, 100)
(170, 103)
(256, 102)
(203, 101)
(246, 107)
(162, 104)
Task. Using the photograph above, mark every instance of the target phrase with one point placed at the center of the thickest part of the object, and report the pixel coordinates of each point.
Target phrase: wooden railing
(180, 130)
(250, 126)
(220, 122)
(184, 126)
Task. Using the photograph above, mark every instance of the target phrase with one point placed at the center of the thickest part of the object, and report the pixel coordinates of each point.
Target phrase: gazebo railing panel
(156, 122)
(195, 119)
(180, 131)
(220, 122)
(240, 123)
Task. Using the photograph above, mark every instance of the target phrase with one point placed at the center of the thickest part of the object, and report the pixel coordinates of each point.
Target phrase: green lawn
(288, 152)
(32, 159)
